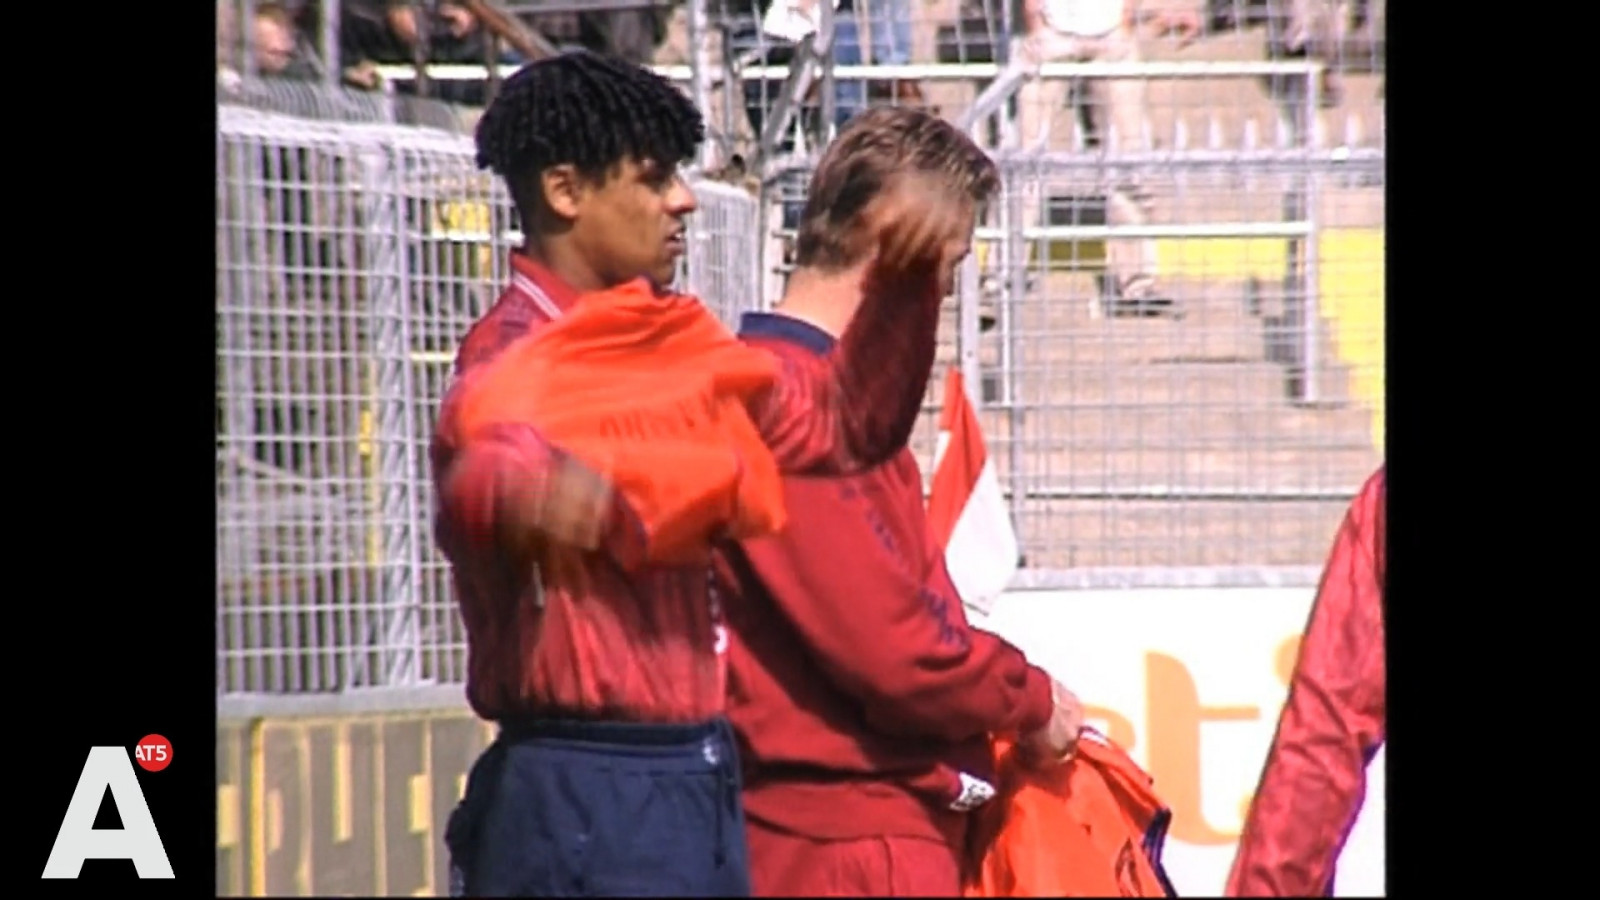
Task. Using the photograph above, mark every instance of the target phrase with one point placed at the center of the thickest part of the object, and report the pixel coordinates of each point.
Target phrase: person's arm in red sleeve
(884, 635)
(858, 409)
(1314, 780)
(492, 486)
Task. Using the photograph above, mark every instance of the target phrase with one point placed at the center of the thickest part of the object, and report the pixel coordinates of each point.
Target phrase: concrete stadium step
(1067, 324)
(1131, 342)
(1235, 101)
(1071, 534)
(1079, 379)
(1066, 299)
(1066, 385)
(1058, 461)
(1267, 425)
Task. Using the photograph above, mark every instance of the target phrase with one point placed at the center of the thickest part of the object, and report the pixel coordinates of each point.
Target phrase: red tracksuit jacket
(1314, 780)
(855, 685)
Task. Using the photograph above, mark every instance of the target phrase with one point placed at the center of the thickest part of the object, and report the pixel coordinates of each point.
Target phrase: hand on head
(922, 230)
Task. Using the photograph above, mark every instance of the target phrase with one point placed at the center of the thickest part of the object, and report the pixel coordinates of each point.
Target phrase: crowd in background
(286, 36)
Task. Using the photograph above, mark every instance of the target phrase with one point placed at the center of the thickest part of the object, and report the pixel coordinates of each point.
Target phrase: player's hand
(1057, 741)
(571, 507)
(919, 229)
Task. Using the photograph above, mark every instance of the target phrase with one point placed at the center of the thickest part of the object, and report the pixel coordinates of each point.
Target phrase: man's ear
(564, 190)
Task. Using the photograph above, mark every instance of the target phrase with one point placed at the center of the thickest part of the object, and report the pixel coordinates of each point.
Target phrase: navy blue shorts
(586, 809)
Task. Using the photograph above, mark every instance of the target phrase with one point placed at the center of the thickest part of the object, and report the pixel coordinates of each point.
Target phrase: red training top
(856, 686)
(670, 428)
(642, 642)
(1331, 726)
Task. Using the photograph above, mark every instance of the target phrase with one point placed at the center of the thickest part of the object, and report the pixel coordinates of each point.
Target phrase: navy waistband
(625, 734)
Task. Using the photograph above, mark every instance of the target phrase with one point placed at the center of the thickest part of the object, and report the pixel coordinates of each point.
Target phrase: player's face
(634, 223)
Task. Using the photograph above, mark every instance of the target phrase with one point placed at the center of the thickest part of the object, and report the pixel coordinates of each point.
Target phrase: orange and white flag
(967, 513)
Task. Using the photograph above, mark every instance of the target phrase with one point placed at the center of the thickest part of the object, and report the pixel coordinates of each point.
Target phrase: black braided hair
(584, 110)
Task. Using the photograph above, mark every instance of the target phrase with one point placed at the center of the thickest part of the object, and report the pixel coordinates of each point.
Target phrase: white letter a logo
(108, 767)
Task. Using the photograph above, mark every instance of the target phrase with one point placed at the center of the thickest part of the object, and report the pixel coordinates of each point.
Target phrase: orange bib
(651, 390)
(1089, 828)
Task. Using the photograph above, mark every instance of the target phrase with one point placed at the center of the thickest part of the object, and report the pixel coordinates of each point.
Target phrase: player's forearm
(881, 367)
(491, 496)
(991, 690)
(1305, 805)
(856, 411)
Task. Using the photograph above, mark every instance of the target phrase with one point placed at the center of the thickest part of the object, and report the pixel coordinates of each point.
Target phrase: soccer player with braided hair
(615, 771)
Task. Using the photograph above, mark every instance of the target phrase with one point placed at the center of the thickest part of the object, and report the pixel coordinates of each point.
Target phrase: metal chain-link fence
(352, 257)
(1217, 419)
(1222, 417)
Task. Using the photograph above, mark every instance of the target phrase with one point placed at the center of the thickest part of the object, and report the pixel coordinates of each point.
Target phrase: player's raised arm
(858, 409)
(891, 213)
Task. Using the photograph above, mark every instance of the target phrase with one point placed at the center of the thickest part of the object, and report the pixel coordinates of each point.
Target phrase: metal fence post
(239, 526)
(700, 74)
(395, 465)
(1311, 356)
(825, 27)
(1014, 288)
(331, 58)
(968, 296)
(1300, 275)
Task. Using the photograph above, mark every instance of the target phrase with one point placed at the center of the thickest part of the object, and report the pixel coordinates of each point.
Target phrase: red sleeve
(505, 467)
(858, 410)
(1314, 781)
(895, 641)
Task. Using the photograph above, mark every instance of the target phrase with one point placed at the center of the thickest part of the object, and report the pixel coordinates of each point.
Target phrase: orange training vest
(1091, 827)
(652, 391)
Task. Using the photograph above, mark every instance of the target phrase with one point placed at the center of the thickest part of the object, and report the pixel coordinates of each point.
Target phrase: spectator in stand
(887, 24)
(1296, 29)
(457, 35)
(865, 32)
(1094, 31)
(373, 33)
(274, 40)
(772, 28)
(628, 34)
(387, 32)
(274, 43)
